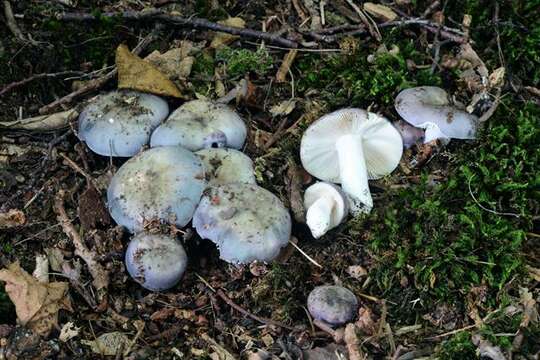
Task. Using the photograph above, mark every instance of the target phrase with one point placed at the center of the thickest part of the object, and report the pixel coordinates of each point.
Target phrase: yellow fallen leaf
(36, 304)
(138, 74)
(108, 344)
(380, 11)
(221, 38)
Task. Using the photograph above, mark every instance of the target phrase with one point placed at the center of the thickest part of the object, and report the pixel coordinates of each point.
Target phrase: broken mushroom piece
(326, 207)
(164, 183)
(200, 124)
(225, 166)
(335, 305)
(350, 146)
(155, 261)
(429, 108)
(245, 221)
(120, 123)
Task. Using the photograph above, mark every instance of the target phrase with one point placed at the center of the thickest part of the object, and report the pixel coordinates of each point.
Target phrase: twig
(96, 84)
(15, 84)
(352, 343)
(372, 27)
(197, 23)
(238, 308)
(431, 8)
(485, 208)
(336, 334)
(281, 75)
(98, 272)
(12, 24)
(306, 255)
(72, 164)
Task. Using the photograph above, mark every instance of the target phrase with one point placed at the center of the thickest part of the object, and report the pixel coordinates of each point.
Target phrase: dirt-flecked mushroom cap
(200, 124)
(155, 261)
(326, 207)
(350, 146)
(245, 221)
(120, 123)
(428, 107)
(335, 305)
(225, 166)
(164, 183)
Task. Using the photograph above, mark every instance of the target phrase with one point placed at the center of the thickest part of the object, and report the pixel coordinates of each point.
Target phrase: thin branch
(15, 84)
(196, 23)
(12, 24)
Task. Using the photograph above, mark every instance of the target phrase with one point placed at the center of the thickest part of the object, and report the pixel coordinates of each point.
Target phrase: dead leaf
(108, 344)
(496, 78)
(380, 11)
(366, 322)
(12, 218)
(36, 304)
(56, 258)
(44, 122)
(530, 312)
(353, 345)
(69, 331)
(486, 349)
(357, 271)
(173, 63)
(222, 353)
(283, 108)
(41, 272)
(138, 74)
(534, 273)
(221, 39)
(329, 352)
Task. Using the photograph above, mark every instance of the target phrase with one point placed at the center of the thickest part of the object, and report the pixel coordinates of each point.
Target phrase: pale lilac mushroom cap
(245, 221)
(200, 124)
(155, 261)
(164, 183)
(334, 305)
(429, 108)
(225, 166)
(350, 146)
(326, 207)
(120, 123)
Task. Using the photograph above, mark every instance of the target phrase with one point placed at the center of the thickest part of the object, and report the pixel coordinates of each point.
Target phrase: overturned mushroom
(326, 207)
(225, 166)
(245, 221)
(350, 146)
(164, 183)
(200, 124)
(335, 305)
(429, 108)
(120, 123)
(155, 261)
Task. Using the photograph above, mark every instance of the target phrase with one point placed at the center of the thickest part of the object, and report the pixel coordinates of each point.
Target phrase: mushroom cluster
(193, 170)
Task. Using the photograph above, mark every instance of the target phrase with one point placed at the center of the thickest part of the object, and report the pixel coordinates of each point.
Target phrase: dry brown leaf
(220, 351)
(496, 78)
(44, 122)
(380, 11)
(530, 312)
(69, 331)
(108, 344)
(283, 108)
(36, 304)
(221, 39)
(138, 74)
(357, 271)
(366, 322)
(41, 272)
(534, 273)
(12, 218)
(173, 63)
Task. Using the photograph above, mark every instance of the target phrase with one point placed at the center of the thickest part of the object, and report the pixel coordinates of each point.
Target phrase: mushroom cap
(163, 183)
(382, 143)
(224, 166)
(200, 124)
(155, 261)
(335, 305)
(119, 123)
(245, 221)
(410, 134)
(321, 188)
(426, 106)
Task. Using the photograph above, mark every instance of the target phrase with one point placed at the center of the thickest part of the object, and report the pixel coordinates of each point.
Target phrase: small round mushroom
(164, 183)
(335, 305)
(120, 123)
(245, 221)
(428, 107)
(350, 146)
(200, 124)
(155, 261)
(224, 166)
(326, 207)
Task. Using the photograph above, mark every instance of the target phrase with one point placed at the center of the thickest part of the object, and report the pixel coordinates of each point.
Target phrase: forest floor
(447, 264)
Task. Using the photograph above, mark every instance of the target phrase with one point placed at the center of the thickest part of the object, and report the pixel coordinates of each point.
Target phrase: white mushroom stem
(432, 132)
(353, 173)
(319, 216)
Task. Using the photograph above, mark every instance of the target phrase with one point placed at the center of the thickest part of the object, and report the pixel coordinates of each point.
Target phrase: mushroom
(245, 221)
(120, 123)
(200, 124)
(335, 305)
(326, 207)
(155, 261)
(409, 134)
(224, 166)
(350, 146)
(429, 108)
(164, 183)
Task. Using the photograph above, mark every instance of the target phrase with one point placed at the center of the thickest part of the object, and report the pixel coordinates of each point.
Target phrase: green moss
(240, 62)
(459, 347)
